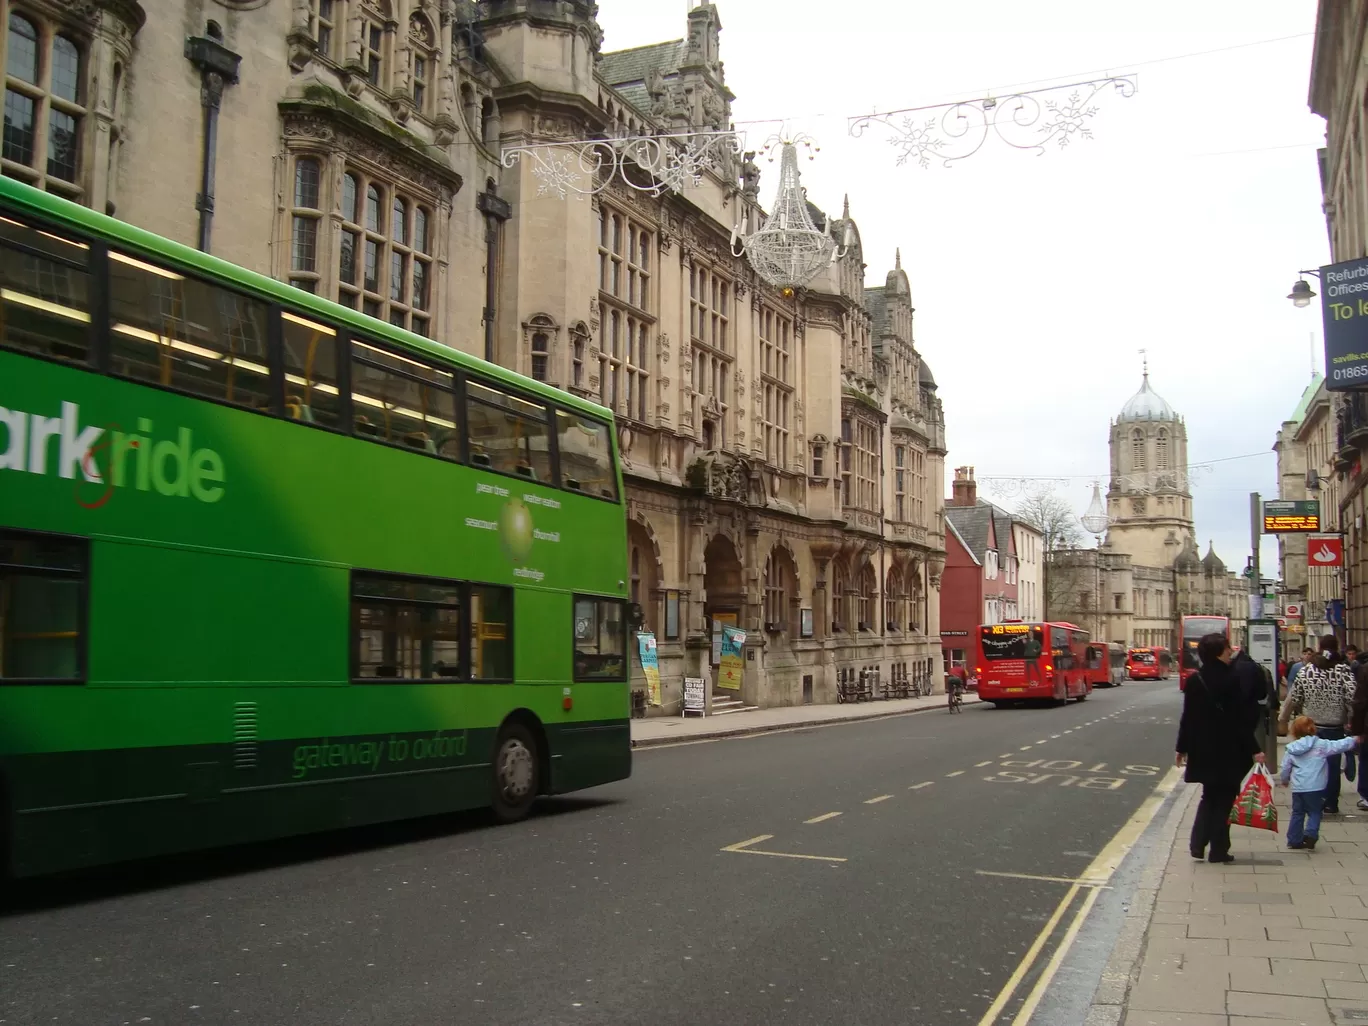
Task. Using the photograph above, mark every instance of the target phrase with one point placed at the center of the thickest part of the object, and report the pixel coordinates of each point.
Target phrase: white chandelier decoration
(1028, 120)
(671, 162)
(1096, 521)
(789, 250)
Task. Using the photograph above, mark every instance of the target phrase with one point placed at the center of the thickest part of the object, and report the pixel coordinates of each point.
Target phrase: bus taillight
(1049, 668)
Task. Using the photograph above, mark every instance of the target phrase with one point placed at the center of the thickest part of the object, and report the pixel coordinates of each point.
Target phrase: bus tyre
(516, 774)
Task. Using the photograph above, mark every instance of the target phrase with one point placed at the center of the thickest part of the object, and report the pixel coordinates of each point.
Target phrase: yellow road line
(1099, 871)
(880, 798)
(744, 848)
(1023, 1017)
(822, 818)
(924, 783)
(1081, 881)
(957, 773)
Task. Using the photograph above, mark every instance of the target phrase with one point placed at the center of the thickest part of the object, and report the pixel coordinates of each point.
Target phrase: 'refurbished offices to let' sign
(1344, 309)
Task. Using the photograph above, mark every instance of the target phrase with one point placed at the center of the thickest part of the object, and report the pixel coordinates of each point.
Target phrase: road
(672, 898)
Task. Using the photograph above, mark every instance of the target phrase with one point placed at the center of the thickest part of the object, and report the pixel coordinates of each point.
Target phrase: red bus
(1097, 664)
(1149, 663)
(1016, 661)
(1194, 629)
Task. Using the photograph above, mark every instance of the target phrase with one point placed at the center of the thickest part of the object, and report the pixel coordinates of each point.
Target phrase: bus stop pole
(1256, 612)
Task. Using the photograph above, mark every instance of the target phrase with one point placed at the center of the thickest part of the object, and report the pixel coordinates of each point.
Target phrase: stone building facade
(1148, 571)
(784, 451)
(1339, 81)
(1306, 448)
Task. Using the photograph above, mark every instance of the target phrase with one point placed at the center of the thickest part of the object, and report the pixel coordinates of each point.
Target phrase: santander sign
(1325, 552)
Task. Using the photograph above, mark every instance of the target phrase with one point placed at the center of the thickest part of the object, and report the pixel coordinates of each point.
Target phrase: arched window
(864, 598)
(306, 216)
(540, 355)
(325, 22)
(780, 585)
(840, 611)
(44, 106)
(893, 600)
(1137, 450)
(1161, 450)
(385, 269)
(579, 341)
(421, 42)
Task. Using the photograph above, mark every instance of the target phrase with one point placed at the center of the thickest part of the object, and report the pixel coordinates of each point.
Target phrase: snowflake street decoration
(788, 250)
(1029, 120)
(669, 162)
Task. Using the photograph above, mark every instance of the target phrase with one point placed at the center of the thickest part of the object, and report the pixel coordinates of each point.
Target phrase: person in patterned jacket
(1324, 691)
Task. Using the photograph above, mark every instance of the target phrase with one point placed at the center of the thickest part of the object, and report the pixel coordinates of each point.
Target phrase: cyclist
(954, 686)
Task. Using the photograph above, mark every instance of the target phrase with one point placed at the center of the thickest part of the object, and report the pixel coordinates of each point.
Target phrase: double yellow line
(1090, 883)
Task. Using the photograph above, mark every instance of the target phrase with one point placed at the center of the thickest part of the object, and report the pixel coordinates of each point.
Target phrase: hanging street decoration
(788, 250)
(669, 162)
(1028, 120)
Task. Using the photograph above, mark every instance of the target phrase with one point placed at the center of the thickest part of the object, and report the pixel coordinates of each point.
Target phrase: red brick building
(979, 583)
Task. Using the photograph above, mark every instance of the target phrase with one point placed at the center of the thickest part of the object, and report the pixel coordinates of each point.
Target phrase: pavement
(895, 870)
(668, 730)
(1278, 936)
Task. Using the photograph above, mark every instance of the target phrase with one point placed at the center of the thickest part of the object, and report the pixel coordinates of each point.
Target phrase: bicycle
(954, 696)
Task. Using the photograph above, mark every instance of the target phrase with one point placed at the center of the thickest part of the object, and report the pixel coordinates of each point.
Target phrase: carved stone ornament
(326, 134)
(90, 12)
(663, 347)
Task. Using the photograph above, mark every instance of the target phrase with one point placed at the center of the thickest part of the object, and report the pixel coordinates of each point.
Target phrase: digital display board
(1287, 516)
(1008, 628)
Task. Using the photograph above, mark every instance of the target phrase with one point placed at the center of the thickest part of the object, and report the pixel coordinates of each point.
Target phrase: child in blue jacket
(1306, 769)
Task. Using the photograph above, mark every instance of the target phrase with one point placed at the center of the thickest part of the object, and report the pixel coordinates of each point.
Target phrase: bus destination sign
(1009, 628)
(1288, 516)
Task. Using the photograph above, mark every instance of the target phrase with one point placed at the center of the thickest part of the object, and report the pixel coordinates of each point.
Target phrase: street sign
(1291, 516)
(1293, 609)
(1325, 552)
(1344, 314)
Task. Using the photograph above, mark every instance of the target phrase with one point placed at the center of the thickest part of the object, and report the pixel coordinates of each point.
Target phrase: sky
(1179, 228)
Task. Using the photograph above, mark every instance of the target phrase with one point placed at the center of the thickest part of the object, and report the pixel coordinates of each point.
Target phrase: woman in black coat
(1216, 741)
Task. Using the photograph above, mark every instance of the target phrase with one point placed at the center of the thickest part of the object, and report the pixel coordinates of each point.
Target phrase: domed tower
(1148, 500)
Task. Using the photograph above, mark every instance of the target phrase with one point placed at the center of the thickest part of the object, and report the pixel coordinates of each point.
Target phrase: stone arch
(895, 596)
(866, 583)
(645, 573)
(781, 590)
(1137, 443)
(579, 354)
(724, 588)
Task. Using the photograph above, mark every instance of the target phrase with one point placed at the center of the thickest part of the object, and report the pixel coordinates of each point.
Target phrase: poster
(650, 665)
(733, 659)
(694, 699)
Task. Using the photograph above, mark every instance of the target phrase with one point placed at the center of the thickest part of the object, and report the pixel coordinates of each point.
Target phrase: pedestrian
(1358, 727)
(1351, 656)
(1324, 690)
(1254, 691)
(1307, 655)
(1305, 767)
(1216, 741)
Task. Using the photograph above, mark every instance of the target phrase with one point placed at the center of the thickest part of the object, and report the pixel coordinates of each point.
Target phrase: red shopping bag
(1254, 807)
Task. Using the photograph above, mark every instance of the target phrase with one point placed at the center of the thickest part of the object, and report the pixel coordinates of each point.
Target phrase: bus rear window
(44, 293)
(1023, 645)
(1200, 626)
(1143, 658)
(586, 455)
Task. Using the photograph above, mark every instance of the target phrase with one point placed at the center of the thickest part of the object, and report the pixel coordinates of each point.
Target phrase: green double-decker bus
(271, 566)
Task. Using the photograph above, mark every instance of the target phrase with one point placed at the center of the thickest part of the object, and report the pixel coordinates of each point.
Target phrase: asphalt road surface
(673, 898)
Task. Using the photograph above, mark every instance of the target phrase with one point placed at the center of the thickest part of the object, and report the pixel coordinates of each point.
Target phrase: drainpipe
(218, 67)
(496, 211)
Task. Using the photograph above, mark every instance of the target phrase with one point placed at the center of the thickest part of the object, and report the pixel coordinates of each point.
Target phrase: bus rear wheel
(516, 773)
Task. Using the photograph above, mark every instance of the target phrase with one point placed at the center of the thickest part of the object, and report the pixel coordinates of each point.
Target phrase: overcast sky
(1179, 228)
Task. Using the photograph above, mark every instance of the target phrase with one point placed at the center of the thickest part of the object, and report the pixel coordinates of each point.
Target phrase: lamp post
(1096, 521)
(1301, 294)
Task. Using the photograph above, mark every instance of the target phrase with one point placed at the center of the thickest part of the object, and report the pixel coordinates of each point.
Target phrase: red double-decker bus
(1149, 663)
(1194, 629)
(1016, 661)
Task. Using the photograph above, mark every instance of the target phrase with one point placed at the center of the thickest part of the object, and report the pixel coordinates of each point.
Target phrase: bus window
(403, 402)
(1020, 644)
(600, 639)
(186, 334)
(310, 358)
(586, 455)
(42, 607)
(507, 434)
(405, 629)
(44, 292)
(491, 633)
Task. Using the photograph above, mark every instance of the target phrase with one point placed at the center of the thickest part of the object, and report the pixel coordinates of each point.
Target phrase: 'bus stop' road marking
(880, 798)
(824, 816)
(924, 783)
(744, 848)
(957, 773)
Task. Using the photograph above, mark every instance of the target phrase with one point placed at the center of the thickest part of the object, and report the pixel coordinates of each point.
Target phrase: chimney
(965, 490)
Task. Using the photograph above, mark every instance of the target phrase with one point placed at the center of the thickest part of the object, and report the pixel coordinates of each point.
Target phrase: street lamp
(1301, 294)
